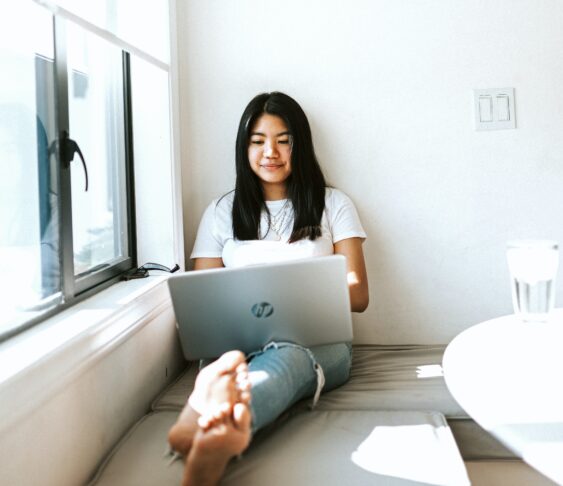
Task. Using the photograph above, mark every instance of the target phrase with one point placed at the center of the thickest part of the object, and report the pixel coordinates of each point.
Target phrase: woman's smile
(272, 167)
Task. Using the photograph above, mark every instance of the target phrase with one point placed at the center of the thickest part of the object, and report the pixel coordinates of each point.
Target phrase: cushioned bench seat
(386, 378)
(410, 378)
(313, 448)
(392, 390)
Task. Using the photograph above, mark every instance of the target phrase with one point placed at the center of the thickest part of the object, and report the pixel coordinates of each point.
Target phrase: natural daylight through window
(66, 226)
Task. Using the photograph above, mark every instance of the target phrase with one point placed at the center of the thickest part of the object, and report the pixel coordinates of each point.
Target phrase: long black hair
(305, 185)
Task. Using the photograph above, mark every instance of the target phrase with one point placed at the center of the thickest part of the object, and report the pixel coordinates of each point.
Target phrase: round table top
(508, 376)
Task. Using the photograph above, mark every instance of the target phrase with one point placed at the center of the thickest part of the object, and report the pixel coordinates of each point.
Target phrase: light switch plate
(494, 108)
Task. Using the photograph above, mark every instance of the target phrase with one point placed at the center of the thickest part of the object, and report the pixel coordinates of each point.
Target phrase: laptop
(300, 301)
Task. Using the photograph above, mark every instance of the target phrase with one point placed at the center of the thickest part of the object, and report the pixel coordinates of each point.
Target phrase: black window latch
(68, 148)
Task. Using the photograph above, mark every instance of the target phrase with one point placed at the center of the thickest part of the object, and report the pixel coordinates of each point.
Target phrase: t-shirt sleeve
(209, 242)
(344, 220)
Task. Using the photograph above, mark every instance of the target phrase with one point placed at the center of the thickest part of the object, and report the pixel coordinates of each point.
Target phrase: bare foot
(205, 394)
(217, 388)
(214, 446)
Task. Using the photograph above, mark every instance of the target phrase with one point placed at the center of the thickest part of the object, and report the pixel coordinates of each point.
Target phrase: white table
(508, 376)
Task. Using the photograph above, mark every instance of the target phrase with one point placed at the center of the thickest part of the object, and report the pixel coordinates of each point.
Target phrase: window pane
(96, 114)
(153, 163)
(148, 29)
(142, 23)
(29, 248)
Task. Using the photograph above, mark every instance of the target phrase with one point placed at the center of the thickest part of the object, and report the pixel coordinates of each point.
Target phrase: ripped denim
(283, 373)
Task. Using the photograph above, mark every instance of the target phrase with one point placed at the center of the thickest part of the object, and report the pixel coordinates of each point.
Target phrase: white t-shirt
(215, 234)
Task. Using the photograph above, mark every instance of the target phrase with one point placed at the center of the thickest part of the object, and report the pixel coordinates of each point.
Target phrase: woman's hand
(351, 248)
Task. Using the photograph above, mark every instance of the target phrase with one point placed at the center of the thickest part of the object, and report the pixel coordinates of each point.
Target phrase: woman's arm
(207, 263)
(351, 248)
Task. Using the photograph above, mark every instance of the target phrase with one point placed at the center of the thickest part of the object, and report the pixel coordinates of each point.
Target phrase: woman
(281, 209)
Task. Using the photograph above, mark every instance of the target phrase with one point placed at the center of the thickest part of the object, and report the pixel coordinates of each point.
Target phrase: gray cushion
(409, 378)
(382, 378)
(385, 378)
(140, 457)
(353, 448)
(394, 378)
(313, 448)
(175, 396)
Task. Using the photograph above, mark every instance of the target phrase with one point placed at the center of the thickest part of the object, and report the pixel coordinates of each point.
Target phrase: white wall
(65, 431)
(387, 86)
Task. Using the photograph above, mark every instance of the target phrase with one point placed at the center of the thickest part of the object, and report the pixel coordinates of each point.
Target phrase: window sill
(41, 361)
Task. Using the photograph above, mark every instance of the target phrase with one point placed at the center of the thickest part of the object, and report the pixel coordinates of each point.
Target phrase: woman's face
(269, 154)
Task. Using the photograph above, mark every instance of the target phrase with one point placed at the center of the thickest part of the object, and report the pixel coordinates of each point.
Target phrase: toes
(243, 386)
(213, 391)
(242, 376)
(241, 416)
(245, 397)
(242, 383)
(228, 362)
(216, 415)
(207, 421)
(242, 368)
(204, 422)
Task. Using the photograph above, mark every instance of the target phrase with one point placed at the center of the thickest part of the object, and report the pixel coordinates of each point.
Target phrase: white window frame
(39, 362)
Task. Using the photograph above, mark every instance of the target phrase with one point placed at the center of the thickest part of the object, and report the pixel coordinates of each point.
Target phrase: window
(96, 120)
(67, 228)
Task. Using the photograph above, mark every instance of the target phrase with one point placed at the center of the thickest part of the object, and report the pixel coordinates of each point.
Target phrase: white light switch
(485, 108)
(494, 108)
(503, 107)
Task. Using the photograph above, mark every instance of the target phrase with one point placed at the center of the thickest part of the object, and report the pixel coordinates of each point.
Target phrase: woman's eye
(257, 142)
(284, 142)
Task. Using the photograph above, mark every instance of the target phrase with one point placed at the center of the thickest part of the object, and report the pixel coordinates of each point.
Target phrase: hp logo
(262, 310)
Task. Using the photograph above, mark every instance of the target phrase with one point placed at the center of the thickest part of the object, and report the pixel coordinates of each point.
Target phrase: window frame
(71, 284)
(76, 288)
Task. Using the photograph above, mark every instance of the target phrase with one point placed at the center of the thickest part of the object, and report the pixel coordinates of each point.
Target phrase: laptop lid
(301, 301)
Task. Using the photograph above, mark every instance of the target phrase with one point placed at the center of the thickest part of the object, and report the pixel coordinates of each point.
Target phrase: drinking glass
(533, 267)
